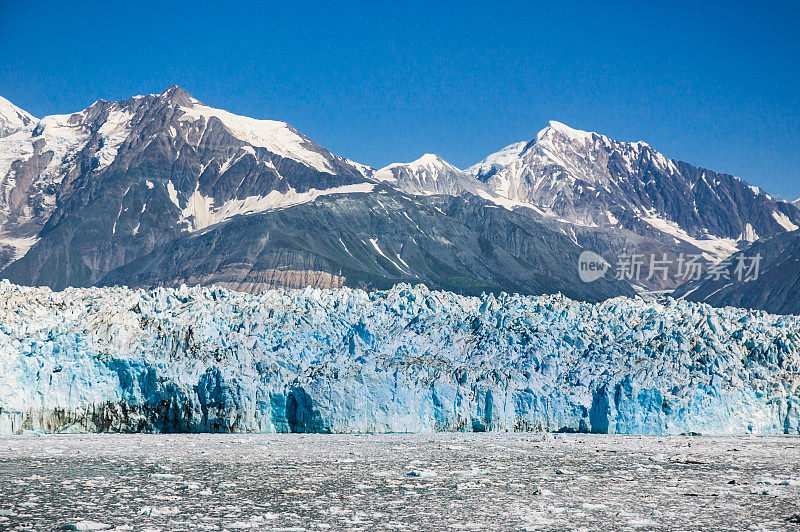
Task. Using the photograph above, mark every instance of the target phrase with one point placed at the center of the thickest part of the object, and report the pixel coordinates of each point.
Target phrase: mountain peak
(566, 131)
(431, 159)
(430, 174)
(12, 118)
(425, 161)
(428, 157)
(177, 95)
(496, 161)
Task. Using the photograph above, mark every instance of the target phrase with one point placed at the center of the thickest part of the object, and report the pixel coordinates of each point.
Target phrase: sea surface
(398, 482)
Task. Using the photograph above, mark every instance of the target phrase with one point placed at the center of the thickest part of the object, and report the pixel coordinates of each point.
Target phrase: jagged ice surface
(407, 359)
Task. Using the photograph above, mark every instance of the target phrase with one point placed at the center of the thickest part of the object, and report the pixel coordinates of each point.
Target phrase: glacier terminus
(408, 359)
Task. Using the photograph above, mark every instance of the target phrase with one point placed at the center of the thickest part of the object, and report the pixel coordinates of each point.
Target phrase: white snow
(430, 174)
(63, 136)
(716, 247)
(571, 133)
(784, 221)
(86, 525)
(12, 118)
(200, 212)
(114, 132)
(749, 234)
(690, 292)
(374, 242)
(20, 245)
(173, 194)
(497, 160)
(429, 163)
(17, 146)
(277, 137)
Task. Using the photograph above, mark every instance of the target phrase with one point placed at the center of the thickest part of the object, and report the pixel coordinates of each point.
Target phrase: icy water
(398, 482)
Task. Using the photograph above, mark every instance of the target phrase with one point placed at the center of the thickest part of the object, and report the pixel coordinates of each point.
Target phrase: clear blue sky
(716, 84)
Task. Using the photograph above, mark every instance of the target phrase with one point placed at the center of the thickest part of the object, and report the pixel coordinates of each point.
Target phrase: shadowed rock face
(375, 240)
(776, 288)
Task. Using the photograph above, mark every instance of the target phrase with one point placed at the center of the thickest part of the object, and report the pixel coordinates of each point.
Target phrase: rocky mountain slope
(162, 189)
(405, 360)
(773, 284)
(591, 181)
(110, 183)
(374, 240)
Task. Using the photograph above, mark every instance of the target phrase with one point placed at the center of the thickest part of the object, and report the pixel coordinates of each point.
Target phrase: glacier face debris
(402, 360)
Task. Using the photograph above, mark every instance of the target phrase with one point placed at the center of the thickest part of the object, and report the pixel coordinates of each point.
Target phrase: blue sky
(716, 84)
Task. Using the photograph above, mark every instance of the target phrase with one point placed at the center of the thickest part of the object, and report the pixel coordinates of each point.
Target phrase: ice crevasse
(403, 360)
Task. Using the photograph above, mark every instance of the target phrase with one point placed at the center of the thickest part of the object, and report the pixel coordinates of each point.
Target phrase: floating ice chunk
(594, 506)
(642, 523)
(86, 525)
(159, 511)
(165, 476)
(422, 473)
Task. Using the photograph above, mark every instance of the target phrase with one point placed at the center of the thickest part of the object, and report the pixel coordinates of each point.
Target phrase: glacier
(408, 359)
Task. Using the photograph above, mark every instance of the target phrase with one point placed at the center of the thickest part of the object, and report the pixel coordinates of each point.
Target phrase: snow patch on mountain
(784, 221)
(199, 211)
(20, 245)
(113, 133)
(714, 247)
(376, 247)
(749, 234)
(65, 135)
(278, 137)
(15, 147)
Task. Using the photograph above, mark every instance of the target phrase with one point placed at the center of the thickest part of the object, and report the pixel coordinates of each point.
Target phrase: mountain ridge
(94, 192)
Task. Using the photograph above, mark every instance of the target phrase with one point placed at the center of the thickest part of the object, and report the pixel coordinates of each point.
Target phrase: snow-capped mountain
(12, 118)
(430, 174)
(591, 180)
(162, 189)
(95, 188)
